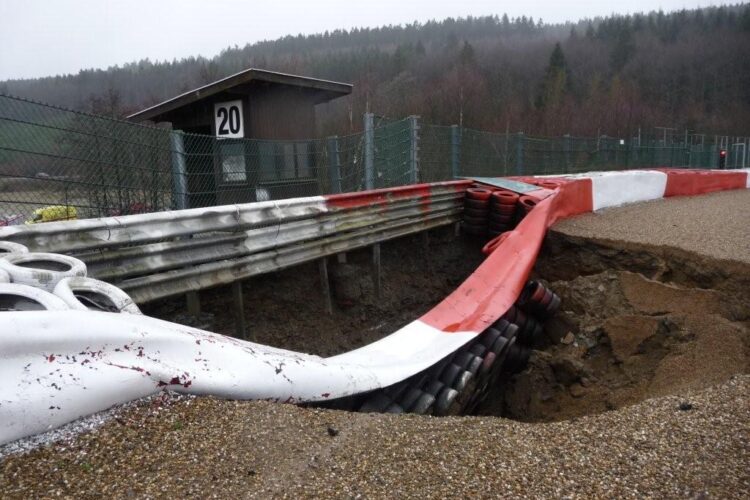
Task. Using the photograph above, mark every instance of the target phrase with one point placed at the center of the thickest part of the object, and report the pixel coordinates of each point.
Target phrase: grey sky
(48, 37)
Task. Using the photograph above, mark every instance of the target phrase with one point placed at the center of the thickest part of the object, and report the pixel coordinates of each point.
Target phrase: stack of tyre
(459, 383)
(502, 212)
(37, 281)
(489, 212)
(525, 205)
(476, 211)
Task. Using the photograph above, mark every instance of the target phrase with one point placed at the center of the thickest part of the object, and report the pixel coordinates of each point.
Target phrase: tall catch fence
(91, 166)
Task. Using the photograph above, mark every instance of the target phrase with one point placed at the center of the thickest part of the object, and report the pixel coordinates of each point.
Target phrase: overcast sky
(49, 37)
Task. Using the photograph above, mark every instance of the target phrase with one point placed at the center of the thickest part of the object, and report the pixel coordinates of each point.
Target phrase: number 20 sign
(228, 119)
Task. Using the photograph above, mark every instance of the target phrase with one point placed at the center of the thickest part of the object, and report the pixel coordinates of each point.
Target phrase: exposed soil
(287, 309)
(635, 323)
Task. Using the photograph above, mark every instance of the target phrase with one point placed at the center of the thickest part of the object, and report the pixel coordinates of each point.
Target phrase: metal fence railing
(91, 166)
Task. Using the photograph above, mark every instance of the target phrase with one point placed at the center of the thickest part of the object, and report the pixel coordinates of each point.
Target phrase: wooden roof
(323, 91)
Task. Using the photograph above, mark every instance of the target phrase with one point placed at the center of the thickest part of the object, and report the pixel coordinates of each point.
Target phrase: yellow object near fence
(53, 213)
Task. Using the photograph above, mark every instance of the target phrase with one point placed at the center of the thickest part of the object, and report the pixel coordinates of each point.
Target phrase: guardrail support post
(369, 137)
(414, 149)
(455, 151)
(334, 164)
(193, 303)
(325, 284)
(179, 172)
(239, 311)
(376, 270)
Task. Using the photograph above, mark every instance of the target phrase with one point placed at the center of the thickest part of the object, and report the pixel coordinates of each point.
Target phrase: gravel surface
(694, 445)
(67, 434)
(690, 444)
(715, 225)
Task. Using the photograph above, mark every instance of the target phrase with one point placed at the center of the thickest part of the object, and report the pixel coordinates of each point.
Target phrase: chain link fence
(58, 163)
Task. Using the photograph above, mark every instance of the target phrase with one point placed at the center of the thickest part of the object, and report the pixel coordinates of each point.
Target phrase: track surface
(206, 446)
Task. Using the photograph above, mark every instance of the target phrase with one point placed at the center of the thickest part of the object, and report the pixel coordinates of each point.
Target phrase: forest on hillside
(688, 69)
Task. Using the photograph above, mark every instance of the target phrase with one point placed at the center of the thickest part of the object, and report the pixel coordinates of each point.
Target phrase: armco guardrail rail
(57, 365)
(156, 255)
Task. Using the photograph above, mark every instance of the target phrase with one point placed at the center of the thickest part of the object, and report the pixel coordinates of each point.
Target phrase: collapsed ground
(656, 332)
(287, 309)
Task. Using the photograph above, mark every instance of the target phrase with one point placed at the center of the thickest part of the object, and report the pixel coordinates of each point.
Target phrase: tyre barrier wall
(59, 365)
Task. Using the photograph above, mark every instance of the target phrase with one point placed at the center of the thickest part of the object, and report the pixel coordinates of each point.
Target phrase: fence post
(334, 164)
(414, 149)
(519, 154)
(369, 151)
(455, 150)
(179, 171)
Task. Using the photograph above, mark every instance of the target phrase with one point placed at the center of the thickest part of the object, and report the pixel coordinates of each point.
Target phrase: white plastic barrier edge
(58, 366)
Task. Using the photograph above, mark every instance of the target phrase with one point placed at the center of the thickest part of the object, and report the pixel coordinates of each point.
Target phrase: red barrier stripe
(490, 291)
(383, 196)
(692, 182)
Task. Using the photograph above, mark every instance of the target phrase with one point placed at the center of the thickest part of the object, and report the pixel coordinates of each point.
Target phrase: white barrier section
(612, 189)
(58, 366)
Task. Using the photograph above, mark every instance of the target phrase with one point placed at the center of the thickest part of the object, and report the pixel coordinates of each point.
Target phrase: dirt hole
(635, 323)
(287, 310)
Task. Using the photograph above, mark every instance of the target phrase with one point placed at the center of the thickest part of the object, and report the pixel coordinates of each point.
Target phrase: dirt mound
(626, 333)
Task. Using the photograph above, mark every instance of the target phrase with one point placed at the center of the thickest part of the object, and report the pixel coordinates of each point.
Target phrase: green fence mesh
(50, 156)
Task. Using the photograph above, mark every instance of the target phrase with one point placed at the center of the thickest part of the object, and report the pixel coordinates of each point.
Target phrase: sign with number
(228, 119)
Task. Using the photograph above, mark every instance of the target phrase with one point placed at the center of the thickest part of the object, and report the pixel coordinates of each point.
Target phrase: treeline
(686, 69)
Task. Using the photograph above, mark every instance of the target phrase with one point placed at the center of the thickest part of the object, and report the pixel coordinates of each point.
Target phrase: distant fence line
(101, 166)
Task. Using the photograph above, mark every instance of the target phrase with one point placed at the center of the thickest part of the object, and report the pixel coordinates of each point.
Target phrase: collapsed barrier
(61, 364)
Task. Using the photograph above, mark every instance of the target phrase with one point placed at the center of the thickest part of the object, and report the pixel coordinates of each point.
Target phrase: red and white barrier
(56, 366)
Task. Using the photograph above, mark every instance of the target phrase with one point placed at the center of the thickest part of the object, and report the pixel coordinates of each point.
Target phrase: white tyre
(42, 270)
(86, 294)
(15, 297)
(4, 277)
(10, 247)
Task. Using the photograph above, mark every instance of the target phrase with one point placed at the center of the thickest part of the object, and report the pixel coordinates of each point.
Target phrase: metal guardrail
(152, 256)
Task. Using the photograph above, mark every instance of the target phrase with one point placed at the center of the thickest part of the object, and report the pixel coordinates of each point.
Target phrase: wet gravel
(693, 444)
(67, 434)
(715, 225)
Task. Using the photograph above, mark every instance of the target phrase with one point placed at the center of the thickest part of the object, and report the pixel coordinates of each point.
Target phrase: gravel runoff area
(715, 225)
(694, 444)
